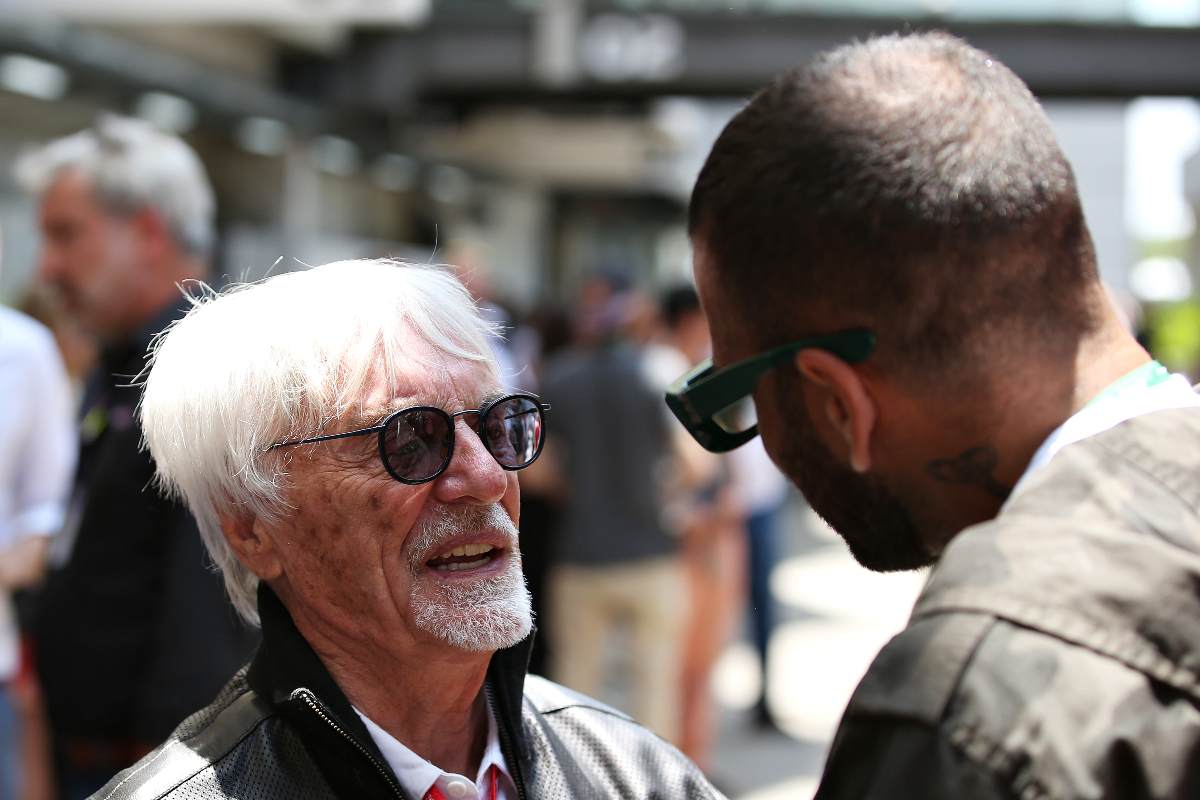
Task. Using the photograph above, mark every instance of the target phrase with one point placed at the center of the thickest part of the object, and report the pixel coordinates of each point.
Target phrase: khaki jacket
(1055, 652)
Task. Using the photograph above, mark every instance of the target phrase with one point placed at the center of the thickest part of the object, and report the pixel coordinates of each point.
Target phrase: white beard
(488, 614)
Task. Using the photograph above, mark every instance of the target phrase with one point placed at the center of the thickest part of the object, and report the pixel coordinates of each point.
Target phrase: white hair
(131, 165)
(277, 360)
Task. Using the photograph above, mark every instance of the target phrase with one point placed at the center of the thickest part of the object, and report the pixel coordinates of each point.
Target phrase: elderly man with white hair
(132, 632)
(345, 442)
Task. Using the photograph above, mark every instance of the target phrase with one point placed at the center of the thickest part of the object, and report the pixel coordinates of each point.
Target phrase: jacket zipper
(312, 702)
(505, 743)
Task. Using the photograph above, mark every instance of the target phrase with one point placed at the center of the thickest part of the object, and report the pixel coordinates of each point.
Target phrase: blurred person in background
(617, 568)
(760, 490)
(891, 249)
(37, 463)
(518, 348)
(77, 348)
(132, 631)
(78, 355)
(702, 509)
(356, 481)
(544, 333)
(469, 267)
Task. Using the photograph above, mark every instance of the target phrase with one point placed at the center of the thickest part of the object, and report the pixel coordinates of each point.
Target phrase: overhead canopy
(484, 57)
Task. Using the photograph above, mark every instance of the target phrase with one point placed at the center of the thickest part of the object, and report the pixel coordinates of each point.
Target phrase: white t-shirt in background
(38, 448)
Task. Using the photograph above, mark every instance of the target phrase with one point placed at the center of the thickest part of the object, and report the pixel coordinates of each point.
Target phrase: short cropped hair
(908, 183)
(130, 166)
(281, 359)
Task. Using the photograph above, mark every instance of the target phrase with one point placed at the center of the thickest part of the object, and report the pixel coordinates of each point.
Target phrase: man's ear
(848, 406)
(253, 543)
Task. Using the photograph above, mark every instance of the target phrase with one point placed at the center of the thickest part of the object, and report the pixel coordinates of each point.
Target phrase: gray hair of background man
(130, 166)
(285, 358)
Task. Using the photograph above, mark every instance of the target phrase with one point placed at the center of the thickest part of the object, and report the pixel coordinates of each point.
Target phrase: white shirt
(38, 448)
(416, 775)
(757, 482)
(1111, 409)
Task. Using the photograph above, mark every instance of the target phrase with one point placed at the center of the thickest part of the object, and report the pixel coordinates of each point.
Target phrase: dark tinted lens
(416, 443)
(512, 431)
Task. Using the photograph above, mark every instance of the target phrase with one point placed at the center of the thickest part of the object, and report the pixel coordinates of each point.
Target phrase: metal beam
(101, 59)
(485, 59)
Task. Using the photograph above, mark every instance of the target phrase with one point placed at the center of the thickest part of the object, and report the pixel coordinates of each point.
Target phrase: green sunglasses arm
(703, 392)
(715, 391)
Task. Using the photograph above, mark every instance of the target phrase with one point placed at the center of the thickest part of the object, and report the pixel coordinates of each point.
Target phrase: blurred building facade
(561, 134)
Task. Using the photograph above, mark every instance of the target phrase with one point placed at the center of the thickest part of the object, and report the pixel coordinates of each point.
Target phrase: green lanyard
(1147, 375)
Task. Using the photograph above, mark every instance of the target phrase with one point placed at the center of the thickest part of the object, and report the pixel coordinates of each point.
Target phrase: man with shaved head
(905, 302)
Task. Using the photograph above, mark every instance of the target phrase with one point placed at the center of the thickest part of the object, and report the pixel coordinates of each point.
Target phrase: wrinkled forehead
(424, 374)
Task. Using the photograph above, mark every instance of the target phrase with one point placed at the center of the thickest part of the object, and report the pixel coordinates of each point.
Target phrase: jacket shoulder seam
(953, 635)
(987, 755)
(547, 697)
(589, 707)
(1168, 475)
(215, 761)
(1121, 647)
(991, 756)
(210, 761)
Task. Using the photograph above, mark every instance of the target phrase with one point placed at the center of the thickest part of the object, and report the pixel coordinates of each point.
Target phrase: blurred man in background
(132, 631)
(892, 253)
(470, 267)
(760, 491)
(617, 567)
(701, 509)
(37, 463)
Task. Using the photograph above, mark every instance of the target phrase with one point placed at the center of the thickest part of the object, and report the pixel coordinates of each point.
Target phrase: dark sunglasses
(416, 444)
(717, 405)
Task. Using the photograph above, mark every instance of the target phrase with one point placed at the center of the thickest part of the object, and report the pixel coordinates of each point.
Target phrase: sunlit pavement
(834, 616)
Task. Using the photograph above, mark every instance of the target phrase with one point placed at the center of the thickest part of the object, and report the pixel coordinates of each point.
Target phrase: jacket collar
(1099, 549)
(286, 663)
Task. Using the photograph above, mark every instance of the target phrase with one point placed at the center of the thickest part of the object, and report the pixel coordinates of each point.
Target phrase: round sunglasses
(416, 444)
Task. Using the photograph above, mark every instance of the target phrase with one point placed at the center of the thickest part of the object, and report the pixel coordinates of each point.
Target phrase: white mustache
(446, 522)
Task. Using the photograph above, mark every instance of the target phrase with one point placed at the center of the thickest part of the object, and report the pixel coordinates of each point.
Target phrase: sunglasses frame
(482, 412)
(704, 391)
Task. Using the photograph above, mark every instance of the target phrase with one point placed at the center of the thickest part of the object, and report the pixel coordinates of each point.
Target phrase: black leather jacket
(282, 729)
